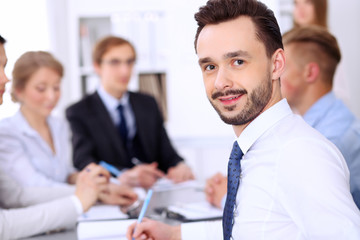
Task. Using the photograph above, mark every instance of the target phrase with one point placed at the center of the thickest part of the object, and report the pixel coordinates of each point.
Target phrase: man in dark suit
(121, 127)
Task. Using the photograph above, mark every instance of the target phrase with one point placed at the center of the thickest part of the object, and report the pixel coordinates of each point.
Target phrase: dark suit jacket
(95, 136)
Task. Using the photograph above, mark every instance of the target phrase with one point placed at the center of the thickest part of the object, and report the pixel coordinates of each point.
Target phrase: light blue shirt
(334, 120)
(25, 156)
(111, 105)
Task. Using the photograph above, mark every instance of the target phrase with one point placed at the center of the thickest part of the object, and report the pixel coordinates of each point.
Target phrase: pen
(144, 207)
(110, 168)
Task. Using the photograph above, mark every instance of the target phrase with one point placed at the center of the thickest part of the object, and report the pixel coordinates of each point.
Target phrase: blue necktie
(122, 128)
(234, 170)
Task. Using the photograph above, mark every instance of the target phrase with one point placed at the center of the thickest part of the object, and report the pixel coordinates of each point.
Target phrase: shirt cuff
(223, 201)
(78, 205)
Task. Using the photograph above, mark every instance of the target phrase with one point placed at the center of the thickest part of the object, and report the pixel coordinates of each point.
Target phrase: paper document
(104, 230)
(196, 211)
(103, 212)
(164, 184)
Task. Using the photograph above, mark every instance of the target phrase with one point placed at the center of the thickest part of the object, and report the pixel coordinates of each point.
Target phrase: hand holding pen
(150, 229)
(90, 183)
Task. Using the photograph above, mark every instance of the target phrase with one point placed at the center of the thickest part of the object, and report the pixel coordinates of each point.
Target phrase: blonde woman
(34, 145)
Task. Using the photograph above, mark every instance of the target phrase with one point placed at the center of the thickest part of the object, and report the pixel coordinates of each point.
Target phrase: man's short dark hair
(218, 11)
(2, 40)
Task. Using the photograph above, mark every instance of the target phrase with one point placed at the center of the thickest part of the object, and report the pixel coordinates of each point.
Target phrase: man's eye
(210, 67)
(115, 62)
(40, 89)
(130, 62)
(238, 62)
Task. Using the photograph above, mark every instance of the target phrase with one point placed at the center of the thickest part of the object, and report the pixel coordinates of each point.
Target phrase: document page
(196, 211)
(103, 212)
(104, 230)
(164, 184)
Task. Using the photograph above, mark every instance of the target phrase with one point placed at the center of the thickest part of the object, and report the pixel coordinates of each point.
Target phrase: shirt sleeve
(324, 208)
(54, 215)
(77, 204)
(209, 230)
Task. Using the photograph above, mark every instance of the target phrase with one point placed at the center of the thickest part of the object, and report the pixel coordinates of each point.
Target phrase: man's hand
(118, 195)
(92, 180)
(149, 229)
(215, 189)
(180, 173)
(143, 175)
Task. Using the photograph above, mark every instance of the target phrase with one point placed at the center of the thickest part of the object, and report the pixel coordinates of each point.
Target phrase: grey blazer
(38, 210)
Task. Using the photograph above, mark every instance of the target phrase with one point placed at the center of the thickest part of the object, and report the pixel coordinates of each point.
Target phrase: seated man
(52, 208)
(122, 128)
(312, 55)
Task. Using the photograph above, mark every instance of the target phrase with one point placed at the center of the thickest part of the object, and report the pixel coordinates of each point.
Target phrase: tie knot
(120, 107)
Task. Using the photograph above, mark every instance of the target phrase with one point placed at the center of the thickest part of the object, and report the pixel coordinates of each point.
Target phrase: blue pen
(144, 206)
(110, 168)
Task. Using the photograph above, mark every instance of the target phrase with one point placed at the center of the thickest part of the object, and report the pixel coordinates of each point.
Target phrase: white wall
(24, 25)
(344, 23)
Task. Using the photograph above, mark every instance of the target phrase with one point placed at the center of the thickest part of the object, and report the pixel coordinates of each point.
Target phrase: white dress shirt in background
(294, 185)
(26, 157)
(111, 105)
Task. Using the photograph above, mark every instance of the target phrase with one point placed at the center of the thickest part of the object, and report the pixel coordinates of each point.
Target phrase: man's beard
(255, 104)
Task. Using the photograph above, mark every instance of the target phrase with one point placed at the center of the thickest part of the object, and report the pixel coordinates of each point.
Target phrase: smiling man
(285, 180)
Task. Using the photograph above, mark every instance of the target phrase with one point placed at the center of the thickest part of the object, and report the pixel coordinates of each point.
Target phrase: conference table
(160, 199)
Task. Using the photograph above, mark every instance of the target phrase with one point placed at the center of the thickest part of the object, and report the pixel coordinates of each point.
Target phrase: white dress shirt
(294, 185)
(111, 105)
(26, 157)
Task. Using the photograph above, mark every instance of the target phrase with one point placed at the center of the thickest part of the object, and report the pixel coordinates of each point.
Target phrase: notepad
(104, 230)
(196, 211)
(164, 184)
(103, 212)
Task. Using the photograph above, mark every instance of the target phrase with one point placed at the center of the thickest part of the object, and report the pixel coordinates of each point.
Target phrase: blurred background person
(34, 145)
(315, 12)
(312, 55)
(122, 127)
(310, 12)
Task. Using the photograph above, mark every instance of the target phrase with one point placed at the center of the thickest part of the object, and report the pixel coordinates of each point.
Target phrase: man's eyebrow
(204, 60)
(239, 53)
(228, 55)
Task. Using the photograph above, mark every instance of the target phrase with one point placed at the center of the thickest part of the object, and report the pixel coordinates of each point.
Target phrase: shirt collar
(24, 125)
(109, 101)
(262, 123)
(319, 109)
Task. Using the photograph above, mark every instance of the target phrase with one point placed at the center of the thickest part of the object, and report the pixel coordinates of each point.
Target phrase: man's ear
(278, 63)
(96, 68)
(311, 72)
